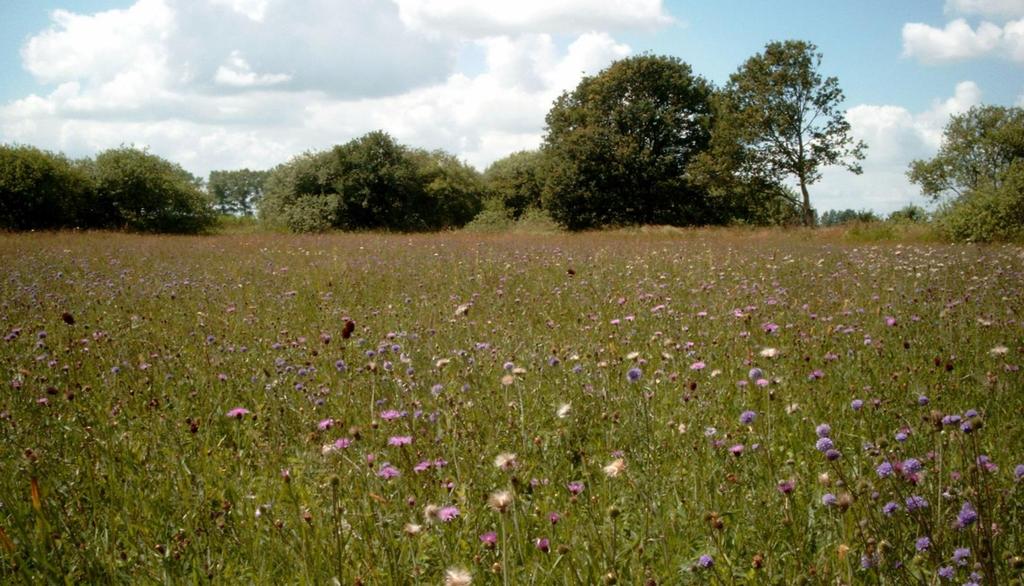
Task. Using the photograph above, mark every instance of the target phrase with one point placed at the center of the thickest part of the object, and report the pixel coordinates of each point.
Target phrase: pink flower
(325, 424)
(238, 412)
(400, 440)
(447, 513)
(699, 365)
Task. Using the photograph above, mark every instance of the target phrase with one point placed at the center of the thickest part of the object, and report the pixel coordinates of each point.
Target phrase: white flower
(999, 350)
(769, 353)
(563, 410)
(500, 501)
(457, 577)
(505, 461)
(615, 468)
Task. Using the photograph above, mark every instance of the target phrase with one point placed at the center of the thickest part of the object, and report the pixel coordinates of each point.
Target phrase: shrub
(41, 190)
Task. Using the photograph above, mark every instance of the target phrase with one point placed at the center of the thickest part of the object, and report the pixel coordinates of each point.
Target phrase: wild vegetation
(653, 406)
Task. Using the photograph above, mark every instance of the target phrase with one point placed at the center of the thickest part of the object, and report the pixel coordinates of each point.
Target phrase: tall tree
(787, 119)
(618, 146)
(236, 192)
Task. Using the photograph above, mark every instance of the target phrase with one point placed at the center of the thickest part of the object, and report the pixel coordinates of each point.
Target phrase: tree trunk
(808, 214)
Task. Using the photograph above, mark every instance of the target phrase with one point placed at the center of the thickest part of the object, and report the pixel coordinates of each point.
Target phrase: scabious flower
(1018, 472)
(633, 374)
(911, 466)
(890, 508)
(823, 430)
(755, 373)
(915, 502)
(747, 417)
(705, 561)
(946, 572)
(884, 470)
(828, 499)
(824, 444)
(960, 555)
(967, 515)
(922, 543)
(857, 404)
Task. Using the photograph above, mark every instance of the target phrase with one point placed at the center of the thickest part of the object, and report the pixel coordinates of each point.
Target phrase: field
(633, 407)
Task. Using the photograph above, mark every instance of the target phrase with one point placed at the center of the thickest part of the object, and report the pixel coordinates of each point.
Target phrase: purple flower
(1018, 472)
(447, 513)
(823, 430)
(890, 508)
(911, 466)
(489, 539)
(706, 561)
(828, 499)
(633, 374)
(960, 555)
(747, 417)
(915, 502)
(422, 466)
(946, 572)
(736, 450)
(341, 443)
(922, 543)
(554, 517)
(901, 436)
(542, 544)
(824, 444)
(387, 471)
(575, 487)
(238, 412)
(832, 455)
(785, 486)
(884, 470)
(399, 440)
(390, 414)
(755, 373)
(325, 424)
(815, 375)
(967, 515)
(922, 400)
(856, 404)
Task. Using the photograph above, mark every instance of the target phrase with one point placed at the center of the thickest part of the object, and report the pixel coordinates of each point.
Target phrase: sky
(227, 84)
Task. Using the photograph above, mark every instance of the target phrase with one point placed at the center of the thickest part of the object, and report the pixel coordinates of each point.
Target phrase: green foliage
(910, 214)
(978, 149)
(143, 192)
(369, 183)
(40, 190)
(618, 146)
(778, 117)
(236, 192)
(494, 217)
(979, 170)
(847, 216)
(517, 181)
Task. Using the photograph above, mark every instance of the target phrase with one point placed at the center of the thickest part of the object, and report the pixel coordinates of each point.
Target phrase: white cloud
(252, 9)
(895, 136)
(237, 73)
(477, 19)
(230, 91)
(958, 41)
(988, 8)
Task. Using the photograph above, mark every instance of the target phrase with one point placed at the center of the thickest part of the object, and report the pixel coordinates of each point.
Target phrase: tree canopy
(236, 192)
(619, 144)
(785, 119)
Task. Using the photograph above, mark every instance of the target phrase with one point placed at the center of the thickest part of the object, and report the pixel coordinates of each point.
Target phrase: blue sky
(220, 84)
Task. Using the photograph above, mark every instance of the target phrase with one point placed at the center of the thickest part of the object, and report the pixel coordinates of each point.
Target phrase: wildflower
(505, 461)
(946, 572)
(915, 502)
(890, 508)
(856, 404)
(823, 430)
(399, 440)
(447, 513)
(998, 350)
(500, 501)
(554, 517)
(391, 414)
(633, 374)
(960, 555)
(747, 417)
(699, 365)
(786, 486)
(563, 410)
(833, 455)
(457, 577)
(884, 470)
(489, 539)
(387, 471)
(824, 444)
(769, 353)
(911, 466)
(542, 544)
(922, 543)
(412, 529)
(615, 468)
(967, 515)
(575, 487)
(1018, 472)
(922, 400)
(422, 466)
(828, 499)
(325, 424)
(755, 373)
(238, 412)
(706, 561)
(736, 450)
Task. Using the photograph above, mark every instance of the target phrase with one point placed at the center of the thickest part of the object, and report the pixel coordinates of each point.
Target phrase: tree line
(645, 141)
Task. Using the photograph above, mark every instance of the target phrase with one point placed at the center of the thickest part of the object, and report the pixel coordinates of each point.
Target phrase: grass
(123, 356)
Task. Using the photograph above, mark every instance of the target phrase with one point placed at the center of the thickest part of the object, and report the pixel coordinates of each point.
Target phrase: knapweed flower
(390, 414)
(238, 412)
(457, 577)
(575, 487)
(960, 555)
(769, 353)
(387, 471)
(542, 544)
(412, 529)
(785, 486)
(500, 501)
(705, 561)
(633, 374)
(967, 515)
(399, 440)
(736, 450)
(922, 543)
(489, 539)
(615, 468)
(447, 513)
(747, 417)
(563, 410)
(699, 365)
(325, 424)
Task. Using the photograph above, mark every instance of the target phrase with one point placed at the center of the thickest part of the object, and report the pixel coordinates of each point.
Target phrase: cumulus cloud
(253, 83)
(957, 41)
(895, 136)
(989, 8)
(472, 18)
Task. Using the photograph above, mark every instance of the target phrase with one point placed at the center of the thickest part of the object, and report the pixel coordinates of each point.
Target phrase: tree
(236, 192)
(41, 190)
(618, 146)
(978, 149)
(786, 119)
(141, 191)
(517, 181)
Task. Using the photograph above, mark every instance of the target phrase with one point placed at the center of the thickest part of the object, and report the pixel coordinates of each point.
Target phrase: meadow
(645, 407)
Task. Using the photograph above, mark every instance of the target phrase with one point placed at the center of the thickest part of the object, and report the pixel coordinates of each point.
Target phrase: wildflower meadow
(632, 407)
